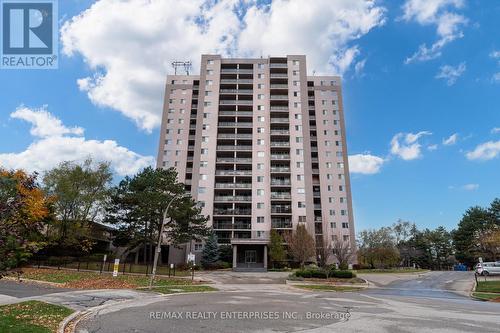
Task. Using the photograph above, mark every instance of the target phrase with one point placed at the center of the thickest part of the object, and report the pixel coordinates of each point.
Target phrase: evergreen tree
(210, 254)
(276, 248)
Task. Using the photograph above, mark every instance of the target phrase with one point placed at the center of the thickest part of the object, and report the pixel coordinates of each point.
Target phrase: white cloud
(129, 64)
(451, 140)
(406, 145)
(437, 13)
(56, 143)
(485, 151)
(359, 67)
(495, 55)
(365, 164)
(451, 74)
(470, 187)
(43, 123)
(495, 130)
(432, 147)
(496, 77)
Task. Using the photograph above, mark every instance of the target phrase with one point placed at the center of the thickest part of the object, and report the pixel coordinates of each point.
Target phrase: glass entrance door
(250, 257)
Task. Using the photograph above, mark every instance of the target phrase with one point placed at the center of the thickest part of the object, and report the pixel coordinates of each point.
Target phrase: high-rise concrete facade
(261, 145)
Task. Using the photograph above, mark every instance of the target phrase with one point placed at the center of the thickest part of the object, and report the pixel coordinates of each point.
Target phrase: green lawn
(326, 287)
(489, 286)
(391, 270)
(182, 289)
(32, 317)
(90, 280)
(486, 296)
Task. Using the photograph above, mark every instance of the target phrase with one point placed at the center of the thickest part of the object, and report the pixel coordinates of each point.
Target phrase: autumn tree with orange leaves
(24, 208)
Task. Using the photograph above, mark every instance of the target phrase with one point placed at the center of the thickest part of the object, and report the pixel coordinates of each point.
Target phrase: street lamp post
(158, 245)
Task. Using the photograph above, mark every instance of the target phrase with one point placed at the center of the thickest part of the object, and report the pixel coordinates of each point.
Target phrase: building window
(198, 247)
(298, 128)
(300, 177)
(295, 73)
(260, 219)
(260, 130)
(260, 205)
(332, 212)
(204, 151)
(301, 190)
(296, 94)
(208, 103)
(202, 190)
(181, 121)
(208, 93)
(210, 62)
(260, 86)
(301, 204)
(205, 127)
(260, 76)
(345, 225)
(260, 192)
(341, 199)
(179, 141)
(333, 225)
(345, 238)
(260, 166)
(260, 66)
(260, 119)
(209, 82)
(328, 165)
(331, 200)
(341, 188)
(302, 219)
(260, 142)
(203, 164)
(260, 179)
(203, 177)
(260, 107)
(298, 116)
(210, 72)
(299, 139)
(260, 154)
(260, 96)
(343, 212)
(296, 83)
(295, 62)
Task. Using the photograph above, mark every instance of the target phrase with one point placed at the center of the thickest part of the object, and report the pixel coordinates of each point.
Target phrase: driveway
(408, 305)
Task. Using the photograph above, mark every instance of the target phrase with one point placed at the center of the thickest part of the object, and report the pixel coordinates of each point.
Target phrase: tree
(474, 222)
(489, 242)
(138, 203)
(377, 248)
(210, 254)
(24, 208)
(80, 192)
(276, 249)
(342, 252)
(301, 245)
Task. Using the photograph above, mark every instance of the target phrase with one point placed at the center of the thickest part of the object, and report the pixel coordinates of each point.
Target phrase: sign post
(116, 267)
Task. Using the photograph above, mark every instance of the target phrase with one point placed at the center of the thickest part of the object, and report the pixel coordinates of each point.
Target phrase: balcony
(316, 193)
(235, 113)
(318, 219)
(234, 160)
(245, 148)
(280, 169)
(278, 65)
(233, 185)
(280, 132)
(236, 91)
(223, 225)
(280, 144)
(317, 206)
(281, 196)
(279, 97)
(280, 182)
(233, 172)
(280, 156)
(218, 211)
(287, 209)
(230, 198)
(232, 124)
(279, 76)
(236, 70)
(234, 136)
(281, 224)
(235, 101)
(279, 86)
(279, 108)
(280, 120)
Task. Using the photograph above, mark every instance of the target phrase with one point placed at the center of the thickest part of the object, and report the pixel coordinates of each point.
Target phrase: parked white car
(488, 268)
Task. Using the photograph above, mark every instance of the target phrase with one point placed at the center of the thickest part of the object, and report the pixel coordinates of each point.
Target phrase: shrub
(343, 274)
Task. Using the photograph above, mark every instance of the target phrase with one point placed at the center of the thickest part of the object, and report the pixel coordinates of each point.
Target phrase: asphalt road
(26, 289)
(422, 305)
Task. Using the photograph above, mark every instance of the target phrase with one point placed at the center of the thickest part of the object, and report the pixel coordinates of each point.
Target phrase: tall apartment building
(261, 146)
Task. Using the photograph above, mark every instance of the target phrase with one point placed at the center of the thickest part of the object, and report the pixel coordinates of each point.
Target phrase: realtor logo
(29, 34)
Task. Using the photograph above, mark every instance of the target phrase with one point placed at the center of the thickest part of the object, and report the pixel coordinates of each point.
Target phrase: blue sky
(105, 98)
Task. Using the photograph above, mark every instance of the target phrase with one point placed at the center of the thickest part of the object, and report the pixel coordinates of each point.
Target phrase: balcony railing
(246, 148)
(281, 182)
(230, 198)
(233, 172)
(234, 160)
(278, 65)
(279, 75)
(253, 235)
(235, 113)
(280, 144)
(280, 169)
(233, 185)
(231, 124)
(280, 120)
(280, 97)
(236, 81)
(316, 193)
(279, 86)
(281, 209)
(281, 224)
(236, 70)
(280, 157)
(280, 132)
(232, 212)
(234, 136)
(280, 195)
(235, 101)
(279, 108)
(236, 91)
(317, 206)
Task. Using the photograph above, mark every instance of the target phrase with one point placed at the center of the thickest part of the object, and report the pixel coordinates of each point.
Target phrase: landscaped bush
(343, 274)
(321, 274)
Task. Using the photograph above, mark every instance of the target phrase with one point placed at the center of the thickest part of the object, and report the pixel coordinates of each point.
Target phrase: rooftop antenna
(182, 64)
(314, 72)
